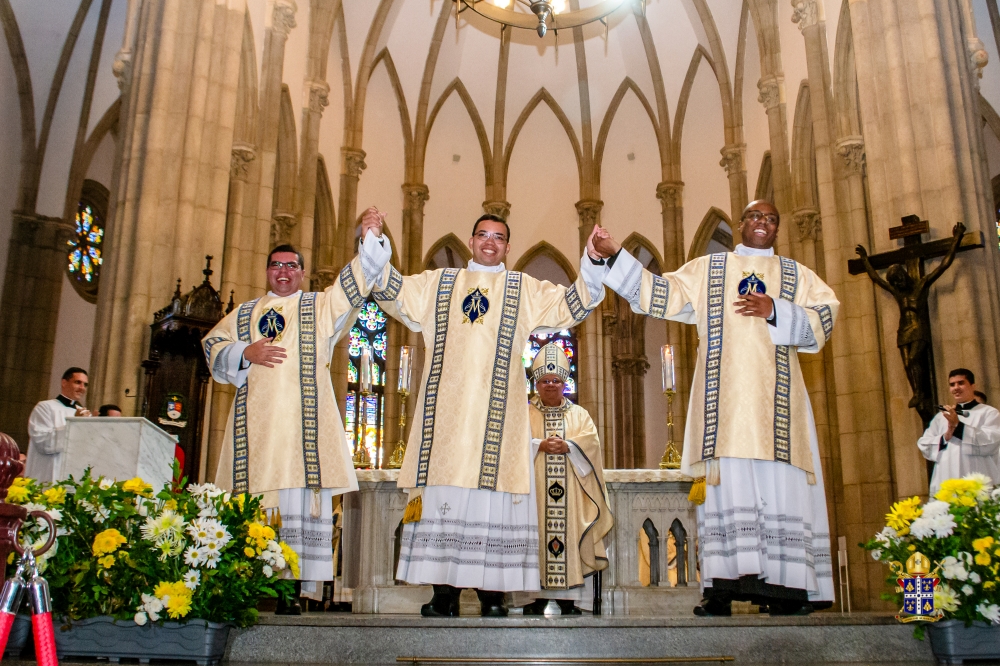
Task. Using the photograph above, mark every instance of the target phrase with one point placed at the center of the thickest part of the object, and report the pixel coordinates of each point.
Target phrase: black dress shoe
(714, 608)
(790, 607)
(568, 607)
(537, 607)
(444, 603)
(491, 603)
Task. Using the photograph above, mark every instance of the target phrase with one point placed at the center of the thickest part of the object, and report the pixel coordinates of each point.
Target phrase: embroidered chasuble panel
(468, 432)
(573, 513)
(748, 395)
(284, 429)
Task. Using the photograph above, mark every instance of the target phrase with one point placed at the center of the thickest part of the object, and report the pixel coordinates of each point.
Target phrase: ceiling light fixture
(540, 15)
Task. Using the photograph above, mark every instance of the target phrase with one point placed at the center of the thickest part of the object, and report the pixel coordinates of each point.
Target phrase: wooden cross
(914, 250)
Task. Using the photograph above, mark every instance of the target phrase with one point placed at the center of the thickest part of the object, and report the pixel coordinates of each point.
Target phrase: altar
(653, 519)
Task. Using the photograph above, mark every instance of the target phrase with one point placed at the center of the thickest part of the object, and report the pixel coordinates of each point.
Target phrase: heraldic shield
(917, 584)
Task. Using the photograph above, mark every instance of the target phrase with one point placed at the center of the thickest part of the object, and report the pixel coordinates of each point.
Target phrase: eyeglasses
(550, 382)
(486, 235)
(290, 265)
(757, 216)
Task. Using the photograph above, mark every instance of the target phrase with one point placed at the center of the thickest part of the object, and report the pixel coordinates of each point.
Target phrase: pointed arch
(805, 188)
(733, 126)
(78, 170)
(543, 95)
(765, 186)
(667, 163)
(366, 64)
(457, 87)
(324, 217)
(244, 129)
(707, 232)
(447, 242)
(609, 116)
(286, 168)
(845, 78)
(26, 98)
(635, 241)
(385, 58)
(682, 100)
(544, 248)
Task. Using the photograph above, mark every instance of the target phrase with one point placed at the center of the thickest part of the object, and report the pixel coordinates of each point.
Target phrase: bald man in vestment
(750, 437)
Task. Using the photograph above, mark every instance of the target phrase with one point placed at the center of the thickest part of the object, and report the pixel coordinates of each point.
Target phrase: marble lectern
(117, 448)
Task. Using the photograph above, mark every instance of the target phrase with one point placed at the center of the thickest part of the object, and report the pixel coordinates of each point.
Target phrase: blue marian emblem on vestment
(752, 283)
(475, 305)
(271, 324)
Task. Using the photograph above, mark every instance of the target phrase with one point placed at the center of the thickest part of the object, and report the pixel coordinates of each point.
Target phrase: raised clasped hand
(601, 244)
(372, 220)
(263, 353)
(755, 305)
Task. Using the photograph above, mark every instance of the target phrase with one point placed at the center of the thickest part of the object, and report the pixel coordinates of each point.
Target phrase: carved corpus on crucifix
(906, 281)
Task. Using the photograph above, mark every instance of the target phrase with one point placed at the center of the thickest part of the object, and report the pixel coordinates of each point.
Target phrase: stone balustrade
(642, 500)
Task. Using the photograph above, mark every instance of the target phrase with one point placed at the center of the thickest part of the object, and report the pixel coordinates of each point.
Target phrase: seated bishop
(573, 513)
(750, 437)
(471, 518)
(285, 437)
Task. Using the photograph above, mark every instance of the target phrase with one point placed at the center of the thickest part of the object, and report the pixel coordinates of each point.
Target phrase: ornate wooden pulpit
(177, 376)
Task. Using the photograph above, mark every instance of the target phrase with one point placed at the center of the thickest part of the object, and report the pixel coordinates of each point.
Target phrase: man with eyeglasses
(284, 436)
(573, 512)
(470, 520)
(750, 438)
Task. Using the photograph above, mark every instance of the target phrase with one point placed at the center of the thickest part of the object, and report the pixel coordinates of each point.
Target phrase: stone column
(36, 261)
(592, 396)
(282, 227)
(350, 174)
(498, 208)
(304, 236)
(734, 162)
(671, 196)
(415, 195)
(772, 96)
(629, 365)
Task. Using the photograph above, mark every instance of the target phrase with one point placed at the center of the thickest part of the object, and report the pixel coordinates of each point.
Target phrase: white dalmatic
(974, 447)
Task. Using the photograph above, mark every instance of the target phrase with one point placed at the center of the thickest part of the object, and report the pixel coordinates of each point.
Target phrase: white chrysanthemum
(996, 493)
(165, 526)
(211, 557)
(193, 557)
(55, 514)
(104, 483)
(33, 506)
(151, 604)
(154, 617)
(198, 531)
(273, 546)
(953, 569)
(935, 520)
(974, 577)
(876, 554)
(268, 571)
(945, 598)
(218, 532)
(967, 590)
(140, 618)
(212, 546)
(991, 612)
(192, 579)
(208, 511)
(280, 564)
(986, 482)
(886, 536)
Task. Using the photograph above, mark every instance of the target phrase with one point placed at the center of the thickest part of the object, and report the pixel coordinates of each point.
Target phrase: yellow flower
(17, 494)
(170, 505)
(983, 558)
(964, 491)
(911, 548)
(291, 558)
(255, 530)
(249, 552)
(179, 605)
(55, 495)
(902, 514)
(137, 486)
(989, 585)
(107, 542)
(107, 561)
(981, 545)
(268, 533)
(20, 481)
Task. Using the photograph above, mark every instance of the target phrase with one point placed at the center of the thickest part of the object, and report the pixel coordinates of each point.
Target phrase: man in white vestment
(471, 520)
(573, 512)
(47, 419)
(285, 436)
(750, 439)
(965, 437)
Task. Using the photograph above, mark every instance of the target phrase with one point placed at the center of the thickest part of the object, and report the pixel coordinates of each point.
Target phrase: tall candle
(667, 361)
(365, 371)
(405, 355)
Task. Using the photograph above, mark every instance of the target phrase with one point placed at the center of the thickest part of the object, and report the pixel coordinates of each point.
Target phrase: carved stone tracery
(806, 13)
(354, 161)
(772, 91)
(670, 193)
(852, 150)
(589, 211)
(498, 208)
(281, 228)
(239, 164)
(284, 17)
(732, 158)
(808, 222)
(319, 96)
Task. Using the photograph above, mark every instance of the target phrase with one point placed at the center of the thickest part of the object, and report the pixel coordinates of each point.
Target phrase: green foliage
(184, 553)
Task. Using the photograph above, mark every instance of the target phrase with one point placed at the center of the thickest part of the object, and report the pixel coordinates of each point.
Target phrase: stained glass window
(85, 254)
(368, 333)
(565, 339)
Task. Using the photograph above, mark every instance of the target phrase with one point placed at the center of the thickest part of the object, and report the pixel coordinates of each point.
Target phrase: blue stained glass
(84, 257)
(372, 317)
(379, 345)
(352, 372)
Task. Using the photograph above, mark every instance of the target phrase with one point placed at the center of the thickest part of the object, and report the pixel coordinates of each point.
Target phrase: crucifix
(906, 281)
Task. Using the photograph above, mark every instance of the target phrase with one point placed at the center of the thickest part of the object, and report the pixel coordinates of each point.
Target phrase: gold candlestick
(396, 459)
(361, 459)
(405, 366)
(671, 458)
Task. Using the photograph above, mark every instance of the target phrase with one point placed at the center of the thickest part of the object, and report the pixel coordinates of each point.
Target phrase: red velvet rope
(45, 639)
(6, 622)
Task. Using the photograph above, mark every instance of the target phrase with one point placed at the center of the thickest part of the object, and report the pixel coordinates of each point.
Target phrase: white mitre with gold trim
(550, 360)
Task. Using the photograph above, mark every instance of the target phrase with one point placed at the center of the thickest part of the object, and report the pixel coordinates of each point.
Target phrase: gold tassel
(414, 510)
(697, 494)
(276, 518)
(315, 508)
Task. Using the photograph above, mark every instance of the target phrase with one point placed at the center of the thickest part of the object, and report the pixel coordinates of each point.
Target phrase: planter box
(20, 635)
(952, 642)
(197, 640)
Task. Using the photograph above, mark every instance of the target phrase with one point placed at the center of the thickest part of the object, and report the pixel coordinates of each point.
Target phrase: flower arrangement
(959, 530)
(178, 554)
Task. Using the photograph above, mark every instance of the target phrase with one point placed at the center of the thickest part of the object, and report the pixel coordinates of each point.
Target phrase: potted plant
(959, 532)
(143, 574)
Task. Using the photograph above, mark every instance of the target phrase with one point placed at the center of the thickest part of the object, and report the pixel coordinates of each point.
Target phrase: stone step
(748, 639)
